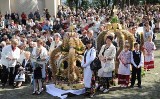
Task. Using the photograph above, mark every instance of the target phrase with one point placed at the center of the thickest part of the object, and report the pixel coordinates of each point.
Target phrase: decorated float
(66, 63)
(121, 36)
(66, 59)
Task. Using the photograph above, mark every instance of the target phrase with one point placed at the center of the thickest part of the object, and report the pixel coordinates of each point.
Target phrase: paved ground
(150, 90)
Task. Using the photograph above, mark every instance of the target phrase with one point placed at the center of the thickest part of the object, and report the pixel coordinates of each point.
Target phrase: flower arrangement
(115, 19)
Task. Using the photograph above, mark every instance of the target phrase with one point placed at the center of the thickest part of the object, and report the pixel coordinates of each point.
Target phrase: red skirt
(123, 79)
(149, 65)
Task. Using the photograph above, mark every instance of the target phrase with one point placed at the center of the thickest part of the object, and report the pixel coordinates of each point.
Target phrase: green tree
(70, 3)
(76, 3)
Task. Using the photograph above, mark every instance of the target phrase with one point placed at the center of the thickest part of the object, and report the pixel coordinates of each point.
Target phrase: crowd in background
(27, 33)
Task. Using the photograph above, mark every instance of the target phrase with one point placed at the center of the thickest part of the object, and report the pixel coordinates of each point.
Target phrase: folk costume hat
(57, 34)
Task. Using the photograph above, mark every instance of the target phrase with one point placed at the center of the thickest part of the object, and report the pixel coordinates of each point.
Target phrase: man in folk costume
(137, 60)
(89, 56)
(10, 55)
(40, 55)
(149, 47)
(106, 56)
(124, 66)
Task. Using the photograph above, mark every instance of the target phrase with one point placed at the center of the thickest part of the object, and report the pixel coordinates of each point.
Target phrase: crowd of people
(36, 36)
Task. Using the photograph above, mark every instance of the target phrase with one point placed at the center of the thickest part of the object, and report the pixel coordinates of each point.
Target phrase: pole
(9, 6)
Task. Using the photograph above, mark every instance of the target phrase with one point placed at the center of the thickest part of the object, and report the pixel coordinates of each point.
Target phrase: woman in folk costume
(124, 66)
(147, 31)
(89, 56)
(55, 43)
(149, 47)
(106, 56)
(39, 55)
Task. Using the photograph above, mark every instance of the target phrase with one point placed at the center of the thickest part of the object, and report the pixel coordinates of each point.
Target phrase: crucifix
(115, 11)
(72, 28)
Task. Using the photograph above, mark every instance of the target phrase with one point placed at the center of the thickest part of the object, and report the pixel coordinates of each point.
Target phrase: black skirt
(38, 73)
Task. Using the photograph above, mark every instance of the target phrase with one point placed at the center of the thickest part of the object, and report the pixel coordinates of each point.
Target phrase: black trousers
(24, 21)
(8, 73)
(136, 73)
(0, 73)
(104, 81)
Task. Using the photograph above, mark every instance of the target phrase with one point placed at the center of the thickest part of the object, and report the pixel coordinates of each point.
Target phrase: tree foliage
(105, 3)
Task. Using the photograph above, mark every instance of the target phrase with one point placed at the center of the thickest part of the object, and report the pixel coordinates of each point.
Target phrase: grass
(158, 36)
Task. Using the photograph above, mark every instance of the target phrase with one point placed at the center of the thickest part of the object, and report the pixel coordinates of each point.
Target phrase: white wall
(4, 6)
(52, 6)
(29, 5)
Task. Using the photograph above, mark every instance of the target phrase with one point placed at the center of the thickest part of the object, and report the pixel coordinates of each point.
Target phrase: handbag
(20, 77)
(108, 68)
(100, 72)
(95, 64)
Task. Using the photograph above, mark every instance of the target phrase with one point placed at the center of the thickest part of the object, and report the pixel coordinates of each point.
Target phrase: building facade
(28, 6)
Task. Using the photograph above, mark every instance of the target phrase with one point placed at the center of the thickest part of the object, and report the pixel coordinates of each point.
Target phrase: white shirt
(43, 54)
(26, 61)
(90, 56)
(8, 52)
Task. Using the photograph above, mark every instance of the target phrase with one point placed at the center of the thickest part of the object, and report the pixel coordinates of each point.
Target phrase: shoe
(3, 86)
(98, 88)
(91, 95)
(38, 92)
(101, 88)
(121, 86)
(125, 86)
(17, 86)
(139, 87)
(87, 93)
(105, 90)
(34, 92)
(131, 86)
(42, 89)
